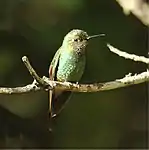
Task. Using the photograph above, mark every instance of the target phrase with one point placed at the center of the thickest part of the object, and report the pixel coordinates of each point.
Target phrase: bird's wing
(52, 75)
(54, 65)
(57, 99)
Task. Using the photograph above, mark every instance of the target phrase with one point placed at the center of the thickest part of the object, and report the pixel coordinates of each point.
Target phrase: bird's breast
(71, 67)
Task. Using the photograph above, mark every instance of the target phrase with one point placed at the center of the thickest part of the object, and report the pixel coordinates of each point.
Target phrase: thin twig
(33, 72)
(128, 56)
(20, 90)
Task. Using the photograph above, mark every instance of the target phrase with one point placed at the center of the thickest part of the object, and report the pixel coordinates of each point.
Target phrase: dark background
(110, 119)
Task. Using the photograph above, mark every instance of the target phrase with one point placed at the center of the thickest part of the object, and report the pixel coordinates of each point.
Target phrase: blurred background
(110, 119)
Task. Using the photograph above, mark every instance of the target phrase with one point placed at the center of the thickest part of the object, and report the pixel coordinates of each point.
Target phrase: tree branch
(32, 71)
(20, 90)
(128, 56)
(139, 8)
(45, 83)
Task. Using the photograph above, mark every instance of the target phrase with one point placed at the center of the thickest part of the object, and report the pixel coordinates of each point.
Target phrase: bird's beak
(94, 36)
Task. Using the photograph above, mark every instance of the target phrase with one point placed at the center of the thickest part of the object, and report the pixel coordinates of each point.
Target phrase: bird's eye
(76, 40)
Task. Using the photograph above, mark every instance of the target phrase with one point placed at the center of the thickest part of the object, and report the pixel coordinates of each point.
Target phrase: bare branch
(20, 90)
(139, 8)
(33, 72)
(96, 87)
(45, 83)
(128, 56)
(68, 86)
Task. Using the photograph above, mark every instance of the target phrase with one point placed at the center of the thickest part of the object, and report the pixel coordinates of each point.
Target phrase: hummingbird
(68, 65)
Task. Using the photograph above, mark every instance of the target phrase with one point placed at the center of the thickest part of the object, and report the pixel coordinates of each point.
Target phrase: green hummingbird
(68, 64)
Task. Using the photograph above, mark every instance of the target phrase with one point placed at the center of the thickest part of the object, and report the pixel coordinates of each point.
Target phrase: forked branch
(45, 83)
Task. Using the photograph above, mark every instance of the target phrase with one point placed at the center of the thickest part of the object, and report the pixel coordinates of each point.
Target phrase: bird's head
(77, 40)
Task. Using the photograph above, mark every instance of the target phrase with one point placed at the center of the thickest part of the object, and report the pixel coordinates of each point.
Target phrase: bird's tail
(57, 102)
